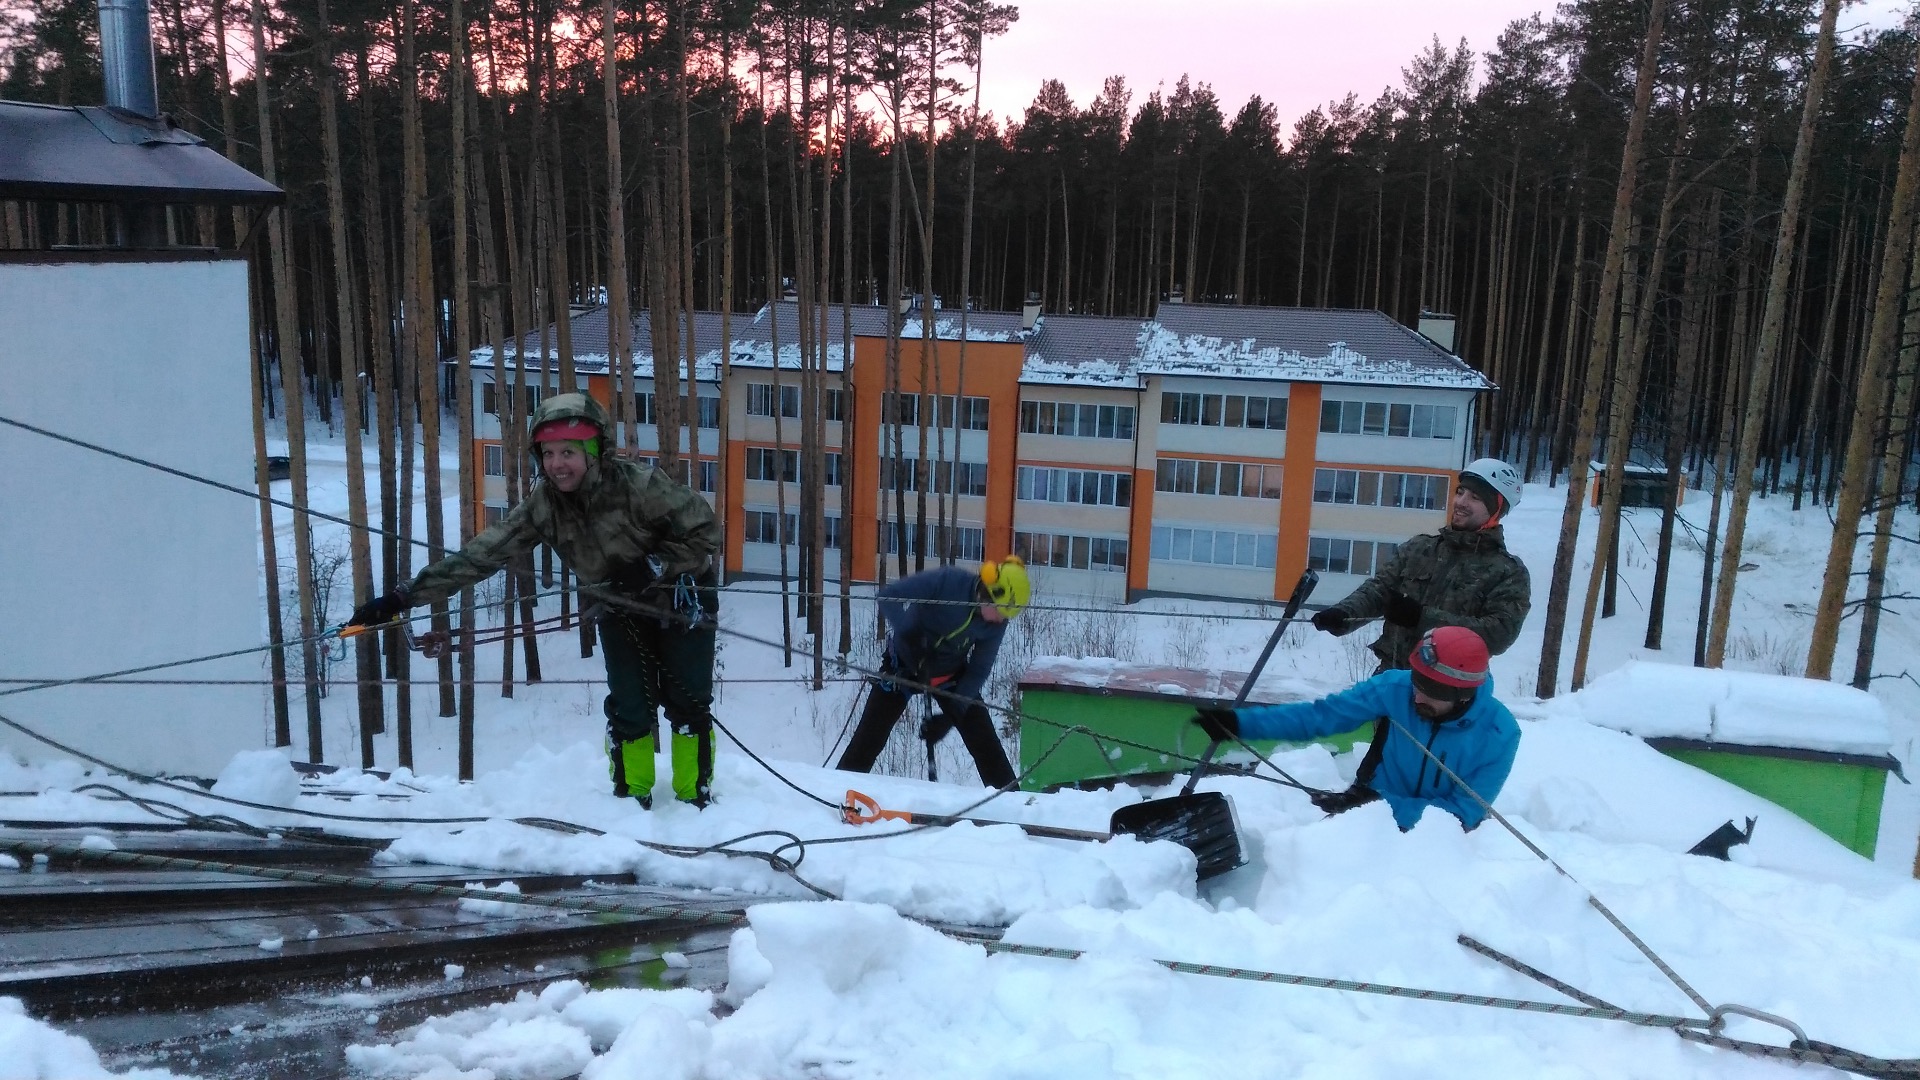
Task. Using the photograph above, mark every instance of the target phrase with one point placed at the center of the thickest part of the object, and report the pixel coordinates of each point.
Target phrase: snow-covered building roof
(1328, 345)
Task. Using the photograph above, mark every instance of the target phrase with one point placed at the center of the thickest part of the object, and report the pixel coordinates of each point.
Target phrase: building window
(493, 398)
(1076, 419)
(646, 409)
(1339, 555)
(972, 481)
(1071, 552)
(1220, 547)
(496, 514)
(1238, 479)
(1361, 487)
(970, 541)
(709, 476)
(760, 400)
(767, 463)
(1381, 418)
(496, 460)
(905, 408)
(1085, 486)
(763, 527)
(1224, 410)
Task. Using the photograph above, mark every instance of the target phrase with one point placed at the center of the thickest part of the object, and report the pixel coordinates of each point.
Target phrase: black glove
(1339, 802)
(1403, 610)
(935, 727)
(381, 609)
(1333, 621)
(1220, 724)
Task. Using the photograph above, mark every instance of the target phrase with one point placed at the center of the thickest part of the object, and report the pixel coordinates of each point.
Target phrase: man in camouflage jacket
(645, 542)
(1462, 575)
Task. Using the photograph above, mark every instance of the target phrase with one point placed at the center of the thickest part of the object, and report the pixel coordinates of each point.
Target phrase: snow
(1164, 352)
(1741, 707)
(861, 986)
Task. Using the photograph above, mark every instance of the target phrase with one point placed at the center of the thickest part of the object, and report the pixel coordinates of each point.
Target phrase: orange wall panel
(992, 372)
(1296, 493)
(735, 496)
(1140, 532)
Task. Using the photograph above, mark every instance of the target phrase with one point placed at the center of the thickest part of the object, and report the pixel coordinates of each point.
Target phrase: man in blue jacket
(1444, 702)
(943, 630)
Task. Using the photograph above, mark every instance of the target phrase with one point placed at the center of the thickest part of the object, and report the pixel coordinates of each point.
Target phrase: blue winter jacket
(1478, 746)
(930, 640)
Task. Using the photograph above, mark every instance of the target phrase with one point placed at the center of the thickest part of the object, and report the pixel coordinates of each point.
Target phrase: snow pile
(1162, 351)
(1744, 708)
(37, 1051)
(553, 1034)
(260, 776)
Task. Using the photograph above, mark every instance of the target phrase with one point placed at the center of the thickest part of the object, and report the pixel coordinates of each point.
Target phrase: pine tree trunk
(1556, 614)
(287, 344)
(1869, 399)
(1625, 403)
(1702, 269)
(366, 663)
(463, 375)
(269, 556)
(1893, 466)
(1772, 324)
(380, 359)
(422, 326)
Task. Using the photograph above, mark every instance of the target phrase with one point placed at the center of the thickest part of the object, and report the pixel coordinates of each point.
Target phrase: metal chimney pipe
(126, 56)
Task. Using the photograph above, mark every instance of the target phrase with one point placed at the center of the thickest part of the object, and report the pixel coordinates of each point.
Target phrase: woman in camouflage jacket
(644, 540)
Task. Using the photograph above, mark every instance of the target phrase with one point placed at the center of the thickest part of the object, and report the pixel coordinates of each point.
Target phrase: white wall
(105, 564)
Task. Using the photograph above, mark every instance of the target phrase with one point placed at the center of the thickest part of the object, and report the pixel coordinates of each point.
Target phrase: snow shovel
(1203, 822)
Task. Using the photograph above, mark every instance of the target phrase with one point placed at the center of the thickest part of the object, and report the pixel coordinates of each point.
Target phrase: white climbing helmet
(1499, 476)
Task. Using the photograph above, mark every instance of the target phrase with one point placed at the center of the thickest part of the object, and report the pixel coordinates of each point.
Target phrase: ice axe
(1203, 822)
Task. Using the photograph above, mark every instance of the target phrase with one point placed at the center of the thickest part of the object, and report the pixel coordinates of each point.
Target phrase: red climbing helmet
(1451, 660)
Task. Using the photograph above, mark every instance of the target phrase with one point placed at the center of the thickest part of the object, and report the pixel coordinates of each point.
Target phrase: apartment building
(1212, 451)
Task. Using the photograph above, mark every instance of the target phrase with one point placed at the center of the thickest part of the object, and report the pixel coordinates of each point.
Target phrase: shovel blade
(1203, 823)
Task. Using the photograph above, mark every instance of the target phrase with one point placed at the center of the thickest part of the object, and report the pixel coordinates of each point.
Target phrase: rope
(208, 481)
(1801, 1049)
(1685, 1027)
(1606, 912)
(573, 905)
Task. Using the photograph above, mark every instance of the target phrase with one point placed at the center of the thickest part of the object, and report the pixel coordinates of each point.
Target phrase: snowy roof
(1327, 345)
(1330, 345)
(1085, 350)
(1737, 708)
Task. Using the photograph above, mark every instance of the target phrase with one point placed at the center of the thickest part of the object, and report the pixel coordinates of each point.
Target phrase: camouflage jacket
(1460, 579)
(622, 512)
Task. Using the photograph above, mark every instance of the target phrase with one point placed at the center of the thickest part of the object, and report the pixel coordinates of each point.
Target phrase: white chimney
(1437, 327)
(1030, 312)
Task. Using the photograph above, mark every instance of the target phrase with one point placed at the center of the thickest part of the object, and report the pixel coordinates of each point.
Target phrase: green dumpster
(1838, 793)
(1092, 721)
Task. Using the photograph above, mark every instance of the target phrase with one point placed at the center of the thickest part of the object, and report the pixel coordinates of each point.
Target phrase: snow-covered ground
(1794, 924)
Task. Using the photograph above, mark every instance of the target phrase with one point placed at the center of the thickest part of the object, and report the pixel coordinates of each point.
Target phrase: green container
(1134, 720)
(1839, 794)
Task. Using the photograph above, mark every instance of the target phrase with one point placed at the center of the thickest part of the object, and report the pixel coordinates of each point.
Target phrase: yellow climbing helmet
(1006, 583)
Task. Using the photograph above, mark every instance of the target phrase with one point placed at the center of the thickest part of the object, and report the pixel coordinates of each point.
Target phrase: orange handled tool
(861, 809)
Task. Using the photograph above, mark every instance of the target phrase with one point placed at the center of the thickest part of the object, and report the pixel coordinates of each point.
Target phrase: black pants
(883, 710)
(651, 667)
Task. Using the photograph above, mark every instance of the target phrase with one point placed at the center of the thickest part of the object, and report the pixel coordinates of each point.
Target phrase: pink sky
(1294, 53)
